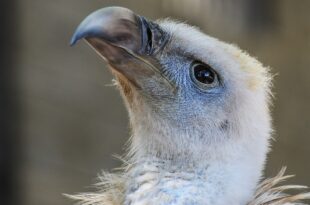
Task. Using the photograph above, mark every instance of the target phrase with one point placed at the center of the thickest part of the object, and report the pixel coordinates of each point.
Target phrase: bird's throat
(162, 182)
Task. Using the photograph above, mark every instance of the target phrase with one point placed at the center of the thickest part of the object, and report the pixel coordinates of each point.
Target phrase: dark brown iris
(204, 73)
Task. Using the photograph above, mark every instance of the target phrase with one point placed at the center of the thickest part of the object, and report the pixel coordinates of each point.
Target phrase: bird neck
(168, 161)
(153, 180)
(219, 174)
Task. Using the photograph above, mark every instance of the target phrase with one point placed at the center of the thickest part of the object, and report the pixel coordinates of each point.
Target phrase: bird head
(186, 93)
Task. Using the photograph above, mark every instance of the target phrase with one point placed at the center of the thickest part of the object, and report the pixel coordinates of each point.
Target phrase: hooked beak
(126, 41)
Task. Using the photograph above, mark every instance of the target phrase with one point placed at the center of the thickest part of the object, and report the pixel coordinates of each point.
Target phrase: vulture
(199, 116)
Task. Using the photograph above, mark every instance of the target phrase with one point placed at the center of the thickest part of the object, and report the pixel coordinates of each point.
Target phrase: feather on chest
(152, 185)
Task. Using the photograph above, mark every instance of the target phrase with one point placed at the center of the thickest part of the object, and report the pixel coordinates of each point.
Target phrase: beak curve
(117, 25)
(125, 40)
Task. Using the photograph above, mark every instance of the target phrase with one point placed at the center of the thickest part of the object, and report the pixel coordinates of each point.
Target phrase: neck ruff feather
(111, 189)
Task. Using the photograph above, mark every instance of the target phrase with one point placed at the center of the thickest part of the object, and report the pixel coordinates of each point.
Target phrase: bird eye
(203, 74)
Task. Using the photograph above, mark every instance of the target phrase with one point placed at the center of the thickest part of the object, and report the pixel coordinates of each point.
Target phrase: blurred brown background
(61, 123)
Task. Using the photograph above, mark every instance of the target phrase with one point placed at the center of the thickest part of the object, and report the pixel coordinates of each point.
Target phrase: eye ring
(203, 75)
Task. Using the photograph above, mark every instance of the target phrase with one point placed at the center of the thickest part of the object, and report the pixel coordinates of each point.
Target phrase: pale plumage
(111, 190)
(199, 113)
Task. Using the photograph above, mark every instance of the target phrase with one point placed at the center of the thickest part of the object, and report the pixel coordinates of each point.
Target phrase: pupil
(204, 74)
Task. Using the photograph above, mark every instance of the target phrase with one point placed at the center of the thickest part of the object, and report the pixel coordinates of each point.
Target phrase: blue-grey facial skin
(189, 101)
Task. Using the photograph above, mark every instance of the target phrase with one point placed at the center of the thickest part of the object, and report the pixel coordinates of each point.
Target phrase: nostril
(147, 37)
(150, 39)
(153, 38)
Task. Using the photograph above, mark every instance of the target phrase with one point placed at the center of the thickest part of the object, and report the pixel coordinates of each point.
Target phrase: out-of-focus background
(60, 122)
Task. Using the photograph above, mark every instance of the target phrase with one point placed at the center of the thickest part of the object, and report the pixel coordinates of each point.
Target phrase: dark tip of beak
(75, 38)
(91, 25)
(115, 25)
(83, 32)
